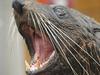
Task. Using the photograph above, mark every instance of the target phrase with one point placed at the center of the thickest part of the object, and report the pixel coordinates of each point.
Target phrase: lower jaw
(44, 65)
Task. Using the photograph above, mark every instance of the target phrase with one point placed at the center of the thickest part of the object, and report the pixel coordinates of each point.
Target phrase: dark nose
(18, 6)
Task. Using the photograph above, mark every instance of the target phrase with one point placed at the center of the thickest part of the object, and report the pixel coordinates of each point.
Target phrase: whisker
(11, 23)
(72, 41)
(62, 53)
(70, 45)
(39, 25)
(68, 49)
(33, 20)
(11, 28)
(43, 26)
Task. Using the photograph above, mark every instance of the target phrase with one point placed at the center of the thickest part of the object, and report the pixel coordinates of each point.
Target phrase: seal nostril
(18, 7)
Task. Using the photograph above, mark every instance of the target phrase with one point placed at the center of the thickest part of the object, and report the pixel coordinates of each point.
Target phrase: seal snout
(18, 6)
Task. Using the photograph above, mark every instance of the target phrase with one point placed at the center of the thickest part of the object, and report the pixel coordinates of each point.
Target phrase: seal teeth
(38, 65)
(33, 68)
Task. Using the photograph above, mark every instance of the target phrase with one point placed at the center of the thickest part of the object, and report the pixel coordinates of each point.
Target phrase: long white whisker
(62, 53)
(68, 49)
(34, 22)
(43, 26)
(73, 41)
(39, 25)
(69, 44)
(11, 23)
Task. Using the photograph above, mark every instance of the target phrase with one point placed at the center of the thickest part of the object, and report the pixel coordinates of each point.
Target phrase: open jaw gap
(43, 49)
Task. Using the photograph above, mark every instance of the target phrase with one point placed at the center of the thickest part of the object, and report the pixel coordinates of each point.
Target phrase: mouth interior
(41, 45)
(43, 49)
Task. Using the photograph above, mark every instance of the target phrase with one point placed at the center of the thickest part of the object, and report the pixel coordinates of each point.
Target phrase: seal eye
(61, 12)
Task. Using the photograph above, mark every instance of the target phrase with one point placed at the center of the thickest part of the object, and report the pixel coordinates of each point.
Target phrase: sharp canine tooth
(33, 68)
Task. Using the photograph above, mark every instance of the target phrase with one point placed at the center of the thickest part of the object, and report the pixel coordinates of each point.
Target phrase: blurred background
(11, 62)
(88, 7)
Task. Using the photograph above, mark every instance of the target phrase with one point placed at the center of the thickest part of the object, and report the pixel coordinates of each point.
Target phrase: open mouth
(43, 51)
(42, 48)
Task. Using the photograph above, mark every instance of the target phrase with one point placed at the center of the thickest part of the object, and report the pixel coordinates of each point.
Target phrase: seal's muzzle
(18, 6)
